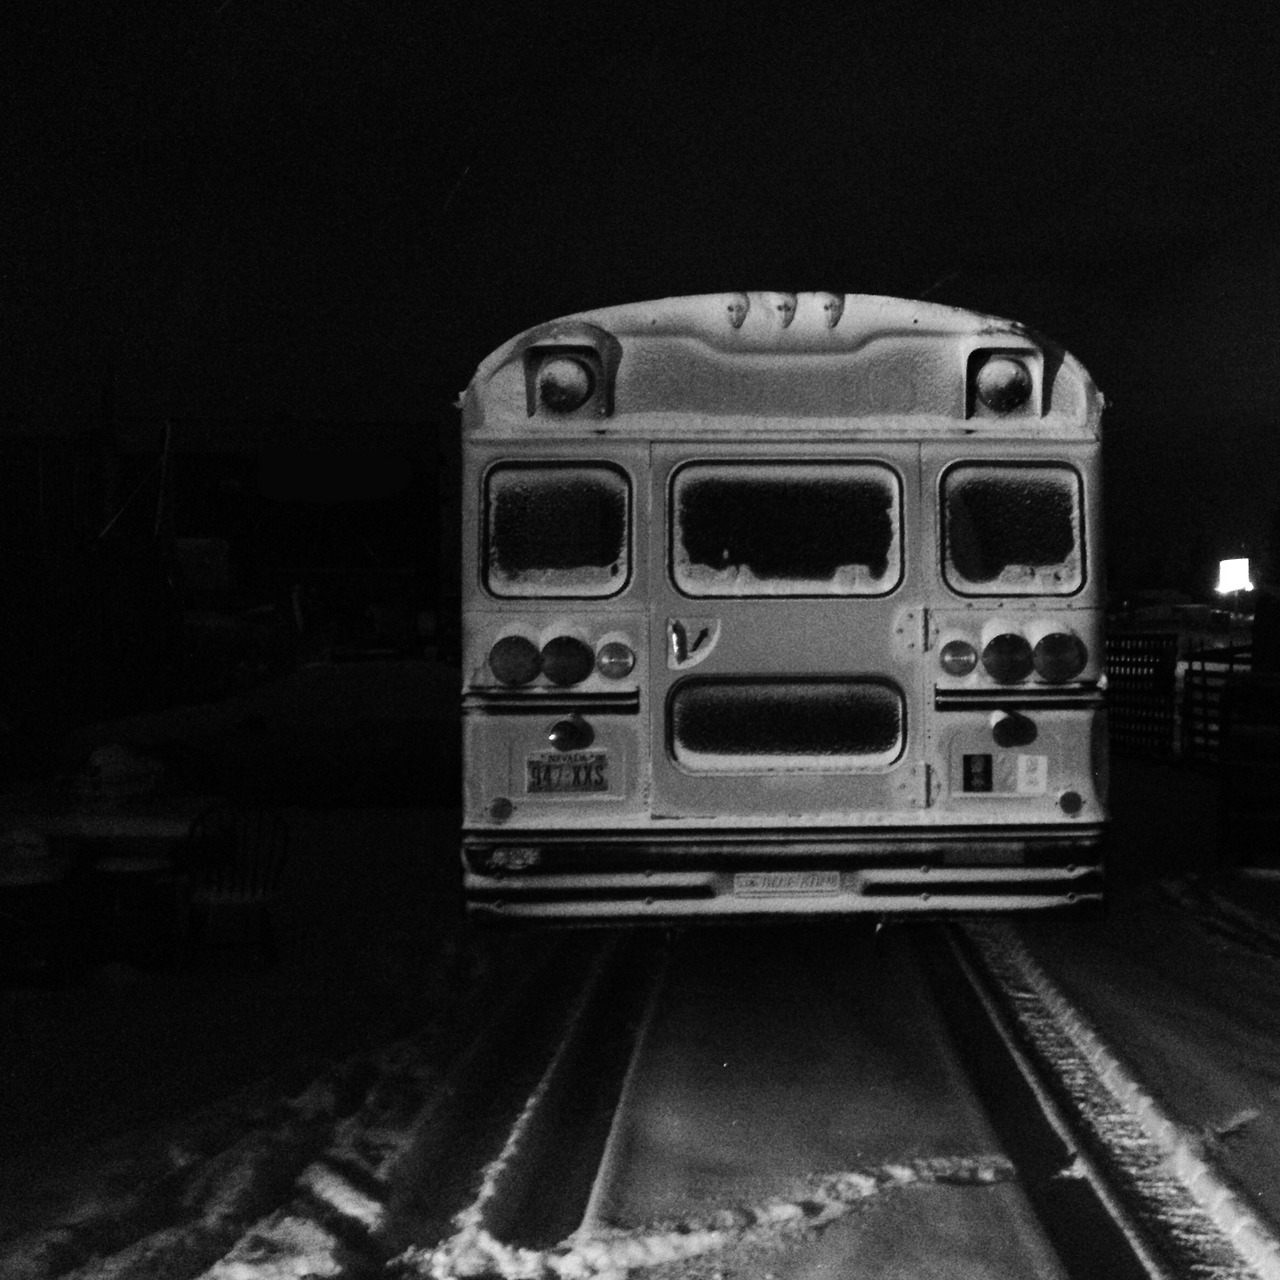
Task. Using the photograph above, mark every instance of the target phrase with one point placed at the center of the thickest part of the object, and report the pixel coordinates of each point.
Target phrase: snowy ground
(181, 1110)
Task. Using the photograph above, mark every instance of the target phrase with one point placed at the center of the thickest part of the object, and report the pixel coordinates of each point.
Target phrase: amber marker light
(958, 658)
(615, 661)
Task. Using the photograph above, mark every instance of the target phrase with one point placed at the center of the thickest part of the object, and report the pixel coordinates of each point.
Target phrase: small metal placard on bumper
(763, 884)
(567, 772)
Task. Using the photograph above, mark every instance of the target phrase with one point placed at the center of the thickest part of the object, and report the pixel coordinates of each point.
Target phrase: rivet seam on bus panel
(738, 306)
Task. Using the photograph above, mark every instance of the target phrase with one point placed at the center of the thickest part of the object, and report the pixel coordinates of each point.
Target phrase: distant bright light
(1233, 575)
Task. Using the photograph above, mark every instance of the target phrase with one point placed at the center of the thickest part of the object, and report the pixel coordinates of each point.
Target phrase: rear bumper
(602, 877)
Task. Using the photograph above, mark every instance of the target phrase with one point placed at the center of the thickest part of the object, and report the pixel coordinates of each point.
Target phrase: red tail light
(1007, 658)
(566, 660)
(515, 660)
(1060, 656)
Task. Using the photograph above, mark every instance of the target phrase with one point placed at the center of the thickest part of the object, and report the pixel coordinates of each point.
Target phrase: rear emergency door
(786, 634)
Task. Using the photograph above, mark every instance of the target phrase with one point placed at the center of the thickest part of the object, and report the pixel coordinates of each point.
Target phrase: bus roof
(785, 356)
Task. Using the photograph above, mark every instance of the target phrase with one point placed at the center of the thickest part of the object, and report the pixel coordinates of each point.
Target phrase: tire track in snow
(1188, 1206)
(810, 1205)
(265, 1186)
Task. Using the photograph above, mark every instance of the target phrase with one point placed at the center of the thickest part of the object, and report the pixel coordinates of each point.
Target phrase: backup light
(567, 660)
(1007, 658)
(514, 660)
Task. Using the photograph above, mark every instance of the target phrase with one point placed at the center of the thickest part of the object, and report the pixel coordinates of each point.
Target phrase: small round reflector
(1060, 656)
(1003, 383)
(567, 660)
(1007, 658)
(1071, 802)
(615, 660)
(958, 657)
(514, 660)
(565, 383)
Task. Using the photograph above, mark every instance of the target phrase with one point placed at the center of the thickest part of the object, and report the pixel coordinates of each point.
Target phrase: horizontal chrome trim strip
(1013, 698)
(796, 841)
(666, 910)
(710, 894)
(558, 704)
(862, 880)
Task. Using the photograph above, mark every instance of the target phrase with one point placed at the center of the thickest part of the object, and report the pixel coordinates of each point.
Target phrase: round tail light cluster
(564, 660)
(514, 660)
(1009, 658)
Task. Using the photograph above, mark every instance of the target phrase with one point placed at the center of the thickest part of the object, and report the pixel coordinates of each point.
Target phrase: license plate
(763, 883)
(572, 772)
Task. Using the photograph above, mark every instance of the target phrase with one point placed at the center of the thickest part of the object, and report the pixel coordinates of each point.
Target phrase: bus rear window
(556, 530)
(757, 726)
(1012, 529)
(786, 529)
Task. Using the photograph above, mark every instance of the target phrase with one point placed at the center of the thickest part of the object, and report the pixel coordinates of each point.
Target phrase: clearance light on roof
(570, 373)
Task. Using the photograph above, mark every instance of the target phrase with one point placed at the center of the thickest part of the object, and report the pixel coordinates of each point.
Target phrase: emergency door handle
(679, 638)
(689, 640)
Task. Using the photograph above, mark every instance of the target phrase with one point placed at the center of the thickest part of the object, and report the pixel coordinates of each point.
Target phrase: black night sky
(241, 215)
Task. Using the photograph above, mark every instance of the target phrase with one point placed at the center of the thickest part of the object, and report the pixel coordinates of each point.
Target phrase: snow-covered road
(800, 1108)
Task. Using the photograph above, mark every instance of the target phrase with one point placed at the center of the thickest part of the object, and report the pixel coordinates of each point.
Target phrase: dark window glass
(786, 529)
(1013, 530)
(556, 531)
(724, 726)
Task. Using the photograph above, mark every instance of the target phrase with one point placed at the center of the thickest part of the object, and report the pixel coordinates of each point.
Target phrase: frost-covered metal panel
(758, 362)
